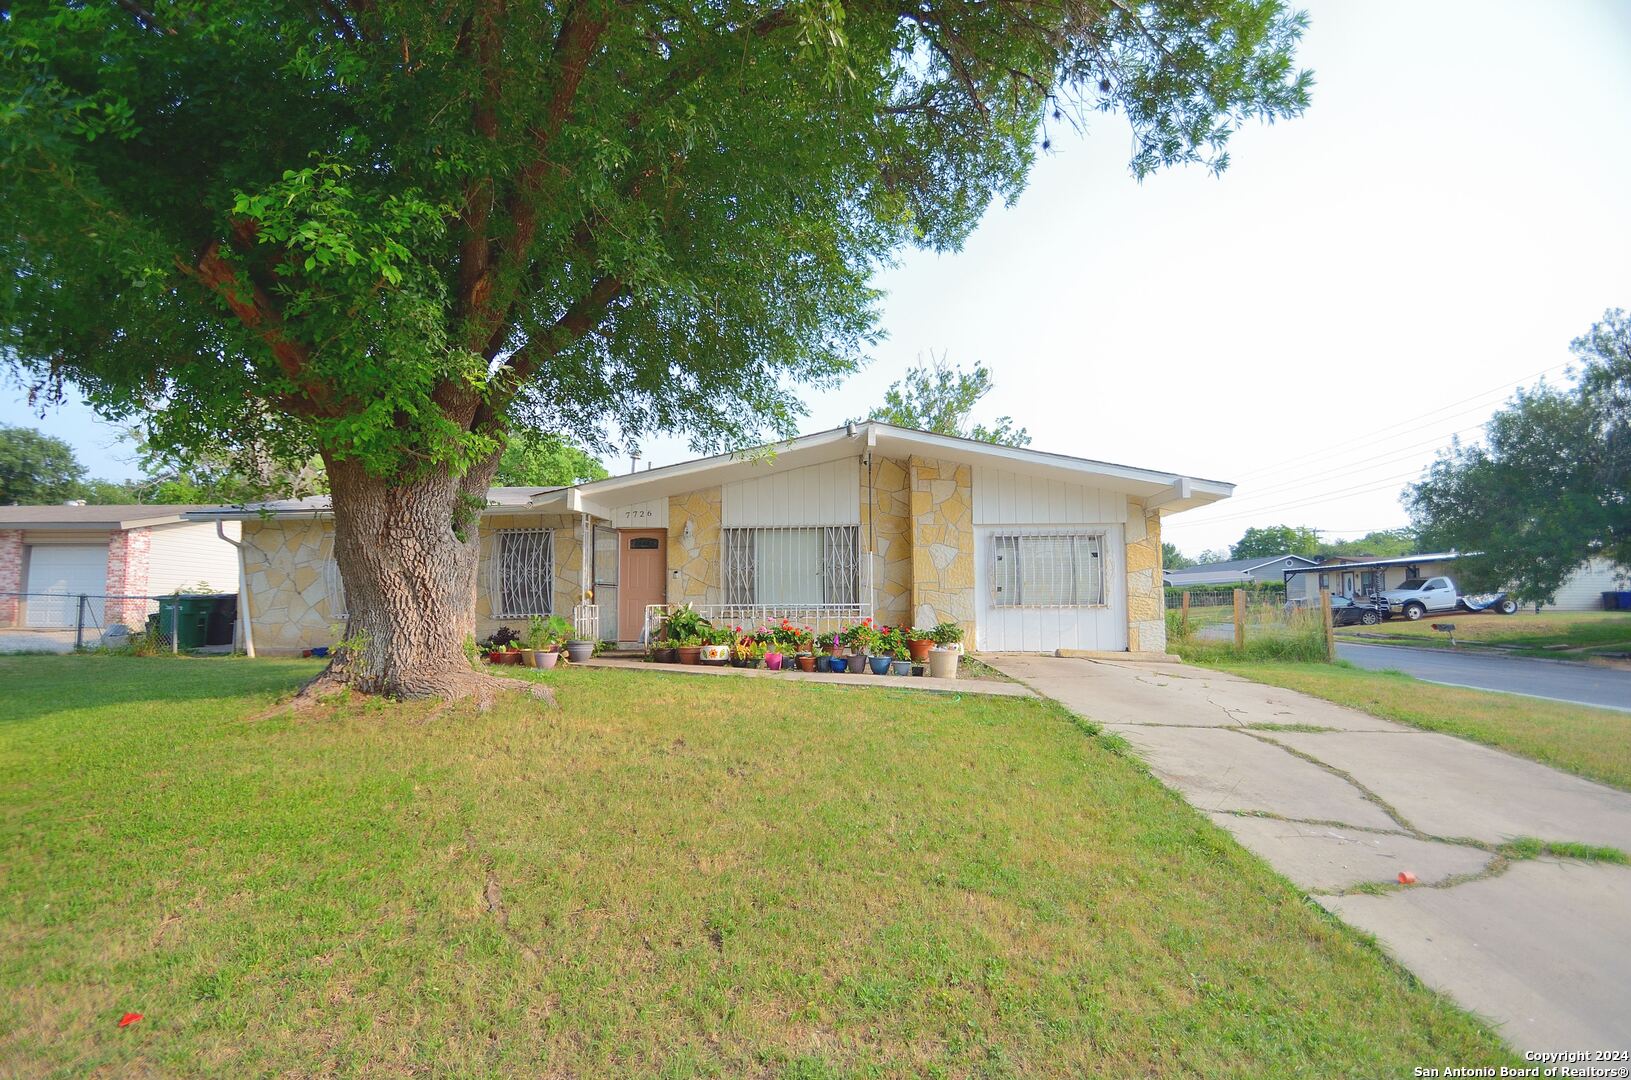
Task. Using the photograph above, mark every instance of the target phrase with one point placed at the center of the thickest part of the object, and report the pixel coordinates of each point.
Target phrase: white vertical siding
(1006, 498)
(825, 494)
(1101, 628)
(651, 514)
(1583, 589)
(181, 556)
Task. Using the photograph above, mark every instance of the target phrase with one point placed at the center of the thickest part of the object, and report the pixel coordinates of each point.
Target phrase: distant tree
(1549, 487)
(249, 474)
(940, 397)
(1269, 540)
(547, 461)
(36, 467)
(1172, 558)
(1211, 555)
(1382, 543)
(110, 492)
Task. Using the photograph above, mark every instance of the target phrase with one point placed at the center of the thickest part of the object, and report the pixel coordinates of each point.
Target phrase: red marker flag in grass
(129, 1018)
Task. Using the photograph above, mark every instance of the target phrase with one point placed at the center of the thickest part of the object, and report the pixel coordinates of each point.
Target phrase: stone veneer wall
(11, 574)
(886, 525)
(695, 569)
(942, 544)
(286, 563)
(1146, 601)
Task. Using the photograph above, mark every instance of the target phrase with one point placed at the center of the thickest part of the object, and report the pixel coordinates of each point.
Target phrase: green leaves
(395, 232)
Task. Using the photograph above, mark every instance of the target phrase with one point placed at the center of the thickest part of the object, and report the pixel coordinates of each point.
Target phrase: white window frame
(1006, 540)
(335, 585)
(536, 544)
(838, 566)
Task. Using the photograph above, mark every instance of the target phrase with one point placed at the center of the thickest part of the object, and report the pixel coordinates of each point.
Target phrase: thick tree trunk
(408, 552)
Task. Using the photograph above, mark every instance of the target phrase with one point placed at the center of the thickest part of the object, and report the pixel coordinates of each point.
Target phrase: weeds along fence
(1222, 622)
(65, 622)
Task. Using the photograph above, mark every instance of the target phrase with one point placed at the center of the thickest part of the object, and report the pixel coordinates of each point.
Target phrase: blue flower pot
(839, 664)
(879, 664)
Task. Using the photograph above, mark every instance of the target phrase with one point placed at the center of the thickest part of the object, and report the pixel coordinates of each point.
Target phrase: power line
(1358, 489)
(1392, 457)
(1371, 436)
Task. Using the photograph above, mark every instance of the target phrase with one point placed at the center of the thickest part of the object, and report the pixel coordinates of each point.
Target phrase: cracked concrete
(1541, 948)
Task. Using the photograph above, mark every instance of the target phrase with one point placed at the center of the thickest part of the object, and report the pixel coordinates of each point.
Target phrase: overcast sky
(1359, 285)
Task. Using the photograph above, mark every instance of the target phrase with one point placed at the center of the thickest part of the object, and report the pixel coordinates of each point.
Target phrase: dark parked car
(1346, 611)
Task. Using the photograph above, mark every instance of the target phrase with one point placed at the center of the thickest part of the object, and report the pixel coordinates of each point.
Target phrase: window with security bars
(1047, 570)
(793, 567)
(522, 573)
(334, 585)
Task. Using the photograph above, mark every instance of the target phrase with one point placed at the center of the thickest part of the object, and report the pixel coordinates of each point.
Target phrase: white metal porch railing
(586, 622)
(821, 618)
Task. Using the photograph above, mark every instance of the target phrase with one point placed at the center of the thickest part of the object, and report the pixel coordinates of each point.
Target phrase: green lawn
(669, 876)
(1594, 743)
(1580, 634)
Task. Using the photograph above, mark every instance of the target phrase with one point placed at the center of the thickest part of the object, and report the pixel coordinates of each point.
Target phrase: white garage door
(1050, 588)
(66, 571)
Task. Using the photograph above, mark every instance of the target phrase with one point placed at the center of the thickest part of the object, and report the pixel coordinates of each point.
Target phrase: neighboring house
(1026, 550)
(115, 556)
(1347, 575)
(1583, 589)
(1262, 570)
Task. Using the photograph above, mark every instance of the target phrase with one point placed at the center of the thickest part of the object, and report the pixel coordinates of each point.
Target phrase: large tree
(1265, 541)
(1550, 484)
(392, 233)
(940, 397)
(36, 467)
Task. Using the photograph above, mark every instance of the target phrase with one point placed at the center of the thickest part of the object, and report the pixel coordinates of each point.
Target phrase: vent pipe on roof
(634, 459)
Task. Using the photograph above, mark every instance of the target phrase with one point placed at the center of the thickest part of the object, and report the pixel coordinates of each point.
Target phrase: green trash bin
(188, 617)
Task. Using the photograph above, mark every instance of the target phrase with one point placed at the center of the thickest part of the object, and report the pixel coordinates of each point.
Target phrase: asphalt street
(1583, 684)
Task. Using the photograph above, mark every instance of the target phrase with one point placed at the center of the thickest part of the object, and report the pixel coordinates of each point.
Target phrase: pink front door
(642, 577)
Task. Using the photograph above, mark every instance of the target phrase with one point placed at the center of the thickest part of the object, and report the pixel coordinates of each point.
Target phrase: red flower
(129, 1018)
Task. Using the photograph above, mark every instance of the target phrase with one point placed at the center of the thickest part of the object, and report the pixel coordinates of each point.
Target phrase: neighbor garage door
(65, 571)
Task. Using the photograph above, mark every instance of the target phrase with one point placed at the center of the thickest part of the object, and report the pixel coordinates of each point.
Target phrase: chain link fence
(66, 622)
(1251, 623)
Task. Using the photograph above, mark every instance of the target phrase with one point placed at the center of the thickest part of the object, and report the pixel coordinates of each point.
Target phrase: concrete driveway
(1583, 684)
(1339, 801)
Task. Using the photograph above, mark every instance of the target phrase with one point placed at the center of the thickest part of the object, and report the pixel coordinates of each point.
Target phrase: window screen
(793, 567)
(522, 573)
(1047, 570)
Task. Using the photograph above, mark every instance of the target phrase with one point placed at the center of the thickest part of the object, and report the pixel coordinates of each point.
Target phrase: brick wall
(11, 574)
(127, 577)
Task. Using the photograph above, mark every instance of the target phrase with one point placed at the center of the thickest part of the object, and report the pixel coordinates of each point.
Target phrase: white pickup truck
(1415, 597)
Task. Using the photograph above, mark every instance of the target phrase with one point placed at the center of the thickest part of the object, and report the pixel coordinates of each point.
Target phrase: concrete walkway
(1339, 801)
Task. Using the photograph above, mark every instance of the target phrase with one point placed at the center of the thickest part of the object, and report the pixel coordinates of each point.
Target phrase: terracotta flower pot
(689, 654)
(806, 663)
(919, 648)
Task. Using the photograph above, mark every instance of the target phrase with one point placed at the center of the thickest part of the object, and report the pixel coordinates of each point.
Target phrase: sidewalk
(1340, 802)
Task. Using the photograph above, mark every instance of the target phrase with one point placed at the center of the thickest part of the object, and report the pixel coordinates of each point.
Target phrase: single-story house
(1348, 575)
(1262, 570)
(1026, 550)
(114, 556)
(1583, 589)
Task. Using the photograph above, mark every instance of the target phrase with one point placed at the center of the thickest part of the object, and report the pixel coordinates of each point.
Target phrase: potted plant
(747, 653)
(948, 636)
(806, 661)
(918, 644)
(512, 654)
(838, 664)
(688, 649)
(893, 649)
(859, 639)
(833, 644)
(716, 647)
